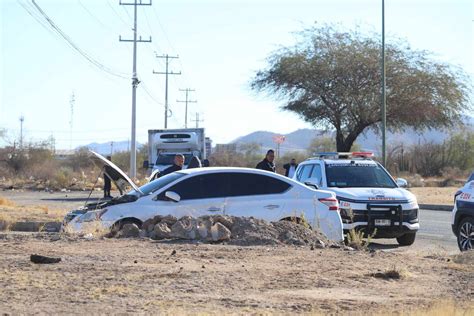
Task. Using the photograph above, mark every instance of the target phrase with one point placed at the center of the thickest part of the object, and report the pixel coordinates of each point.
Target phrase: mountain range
(300, 139)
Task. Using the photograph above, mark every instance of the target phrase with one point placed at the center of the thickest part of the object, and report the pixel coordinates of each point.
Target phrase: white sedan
(213, 191)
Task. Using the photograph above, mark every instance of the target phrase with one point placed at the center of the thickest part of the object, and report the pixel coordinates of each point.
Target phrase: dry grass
(4, 223)
(392, 274)
(431, 195)
(41, 213)
(6, 202)
(446, 308)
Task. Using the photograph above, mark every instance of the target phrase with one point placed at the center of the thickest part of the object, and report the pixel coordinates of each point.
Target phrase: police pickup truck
(463, 215)
(369, 198)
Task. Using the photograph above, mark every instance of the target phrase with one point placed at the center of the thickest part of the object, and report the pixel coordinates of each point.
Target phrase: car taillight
(332, 203)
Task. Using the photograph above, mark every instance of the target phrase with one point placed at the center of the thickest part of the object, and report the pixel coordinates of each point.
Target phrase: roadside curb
(436, 207)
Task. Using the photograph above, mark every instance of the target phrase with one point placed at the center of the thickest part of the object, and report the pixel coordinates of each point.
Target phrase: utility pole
(71, 103)
(22, 119)
(135, 82)
(187, 90)
(383, 101)
(111, 148)
(197, 120)
(52, 143)
(166, 73)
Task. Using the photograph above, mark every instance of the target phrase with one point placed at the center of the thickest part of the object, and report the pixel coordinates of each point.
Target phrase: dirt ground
(435, 195)
(143, 276)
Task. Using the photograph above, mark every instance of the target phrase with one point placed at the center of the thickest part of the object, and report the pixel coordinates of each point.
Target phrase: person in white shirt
(290, 168)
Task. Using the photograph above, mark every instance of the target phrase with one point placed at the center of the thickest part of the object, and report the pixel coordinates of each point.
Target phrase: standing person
(177, 165)
(194, 163)
(290, 168)
(267, 162)
(107, 182)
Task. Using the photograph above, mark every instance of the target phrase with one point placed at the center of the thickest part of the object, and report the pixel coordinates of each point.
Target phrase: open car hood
(115, 173)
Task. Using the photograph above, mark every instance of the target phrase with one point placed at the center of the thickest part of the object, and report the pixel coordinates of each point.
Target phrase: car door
(256, 195)
(201, 194)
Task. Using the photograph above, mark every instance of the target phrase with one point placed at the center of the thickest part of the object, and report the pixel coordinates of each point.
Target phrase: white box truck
(164, 144)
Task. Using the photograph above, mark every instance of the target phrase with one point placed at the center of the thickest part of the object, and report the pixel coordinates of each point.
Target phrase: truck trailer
(164, 144)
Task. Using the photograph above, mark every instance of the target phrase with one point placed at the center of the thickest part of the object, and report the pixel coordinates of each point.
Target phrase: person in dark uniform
(177, 165)
(267, 162)
(194, 163)
(107, 182)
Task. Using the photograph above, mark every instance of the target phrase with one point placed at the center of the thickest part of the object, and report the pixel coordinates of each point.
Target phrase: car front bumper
(393, 231)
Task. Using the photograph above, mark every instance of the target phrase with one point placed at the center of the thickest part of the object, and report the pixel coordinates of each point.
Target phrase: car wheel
(407, 239)
(466, 234)
(119, 225)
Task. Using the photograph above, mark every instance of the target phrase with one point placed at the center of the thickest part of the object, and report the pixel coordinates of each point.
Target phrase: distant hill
(300, 140)
(106, 148)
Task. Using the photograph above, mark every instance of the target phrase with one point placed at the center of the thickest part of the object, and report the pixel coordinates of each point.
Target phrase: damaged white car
(213, 191)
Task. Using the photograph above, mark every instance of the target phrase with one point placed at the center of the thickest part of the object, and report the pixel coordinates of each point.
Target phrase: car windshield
(358, 175)
(157, 184)
(169, 159)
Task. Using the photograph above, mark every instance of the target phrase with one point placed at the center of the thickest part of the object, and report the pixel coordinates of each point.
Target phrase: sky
(220, 44)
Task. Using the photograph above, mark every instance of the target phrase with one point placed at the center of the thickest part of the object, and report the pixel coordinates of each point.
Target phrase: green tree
(332, 79)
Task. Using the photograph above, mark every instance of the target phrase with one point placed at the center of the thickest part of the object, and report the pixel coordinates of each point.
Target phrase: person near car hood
(267, 162)
(177, 165)
(194, 163)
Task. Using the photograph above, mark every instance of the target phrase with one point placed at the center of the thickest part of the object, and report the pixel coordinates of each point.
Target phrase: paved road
(435, 233)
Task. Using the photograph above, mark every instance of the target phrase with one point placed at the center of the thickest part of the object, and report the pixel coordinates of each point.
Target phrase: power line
(117, 14)
(93, 16)
(37, 18)
(153, 34)
(74, 46)
(169, 42)
(147, 91)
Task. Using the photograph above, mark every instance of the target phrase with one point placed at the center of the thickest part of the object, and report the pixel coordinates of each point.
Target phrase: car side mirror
(402, 183)
(311, 184)
(173, 196)
(145, 164)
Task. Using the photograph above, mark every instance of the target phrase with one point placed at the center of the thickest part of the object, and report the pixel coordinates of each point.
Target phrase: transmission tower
(135, 82)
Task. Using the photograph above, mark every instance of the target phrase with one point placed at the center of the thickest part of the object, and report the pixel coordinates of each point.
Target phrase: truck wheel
(407, 239)
(465, 234)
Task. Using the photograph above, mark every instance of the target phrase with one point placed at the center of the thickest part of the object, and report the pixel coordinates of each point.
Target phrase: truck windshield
(157, 184)
(358, 176)
(169, 159)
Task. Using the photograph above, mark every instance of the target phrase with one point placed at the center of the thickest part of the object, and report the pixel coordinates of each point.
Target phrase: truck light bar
(336, 155)
(364, 154)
